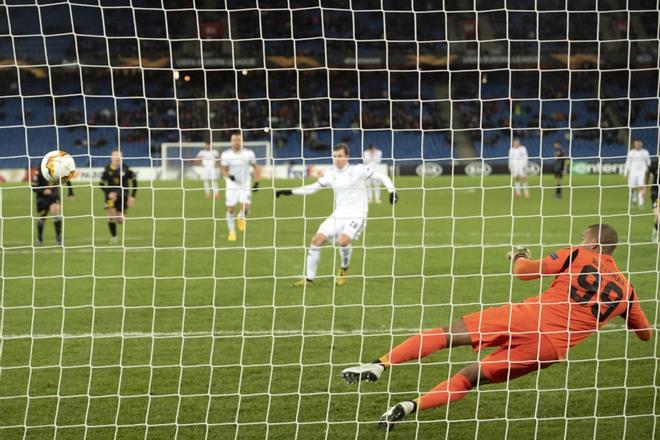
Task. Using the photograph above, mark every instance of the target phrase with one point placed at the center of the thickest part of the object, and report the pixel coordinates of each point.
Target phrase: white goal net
(161, 314)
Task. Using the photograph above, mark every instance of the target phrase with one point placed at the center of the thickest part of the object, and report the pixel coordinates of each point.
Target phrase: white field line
(247, 333)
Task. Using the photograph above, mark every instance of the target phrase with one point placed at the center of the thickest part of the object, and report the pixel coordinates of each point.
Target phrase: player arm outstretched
(387, 183)
(527, 269)
(300, 191)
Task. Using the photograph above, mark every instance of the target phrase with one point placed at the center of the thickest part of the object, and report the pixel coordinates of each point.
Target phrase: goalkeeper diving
(349, 218)
(588, 291)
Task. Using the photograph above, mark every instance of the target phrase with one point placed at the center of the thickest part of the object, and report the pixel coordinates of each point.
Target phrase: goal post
(177, 159)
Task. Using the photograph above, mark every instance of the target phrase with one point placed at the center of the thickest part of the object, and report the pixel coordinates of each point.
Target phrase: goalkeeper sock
(313, 258)
(345, 252)
(113, 228)
(231, 222)
(450, 390)
(416, 347)
(40, 228)
(517, 187)
(57, 222)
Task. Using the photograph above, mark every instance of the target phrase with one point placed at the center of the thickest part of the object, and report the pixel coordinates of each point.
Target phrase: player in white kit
(208, 158)
(636, 169)
(518, 159)
(349, 183)
(238, 164)
(372, 157)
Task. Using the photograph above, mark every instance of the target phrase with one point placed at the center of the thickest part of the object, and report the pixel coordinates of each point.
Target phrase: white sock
(207, 186)
(313, 258)
(345, 252)
(377, 191)
(214, 184)
(525, 186)
(231, 222)
(517, 187)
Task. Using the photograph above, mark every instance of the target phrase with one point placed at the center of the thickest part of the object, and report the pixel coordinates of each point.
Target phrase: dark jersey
(118, 179)
(40, 185)
(560, 161)
(655, 179)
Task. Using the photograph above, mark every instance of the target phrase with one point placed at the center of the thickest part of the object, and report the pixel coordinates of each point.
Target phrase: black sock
(113, 228)
(58, 229)
(655, 226)
(558, 190)
(40, 229)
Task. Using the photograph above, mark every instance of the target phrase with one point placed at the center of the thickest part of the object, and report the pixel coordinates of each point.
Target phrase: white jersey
(637, 162)
(209, 158)
(518, 158)
(350, 187)
(372, 157)
(240, 166)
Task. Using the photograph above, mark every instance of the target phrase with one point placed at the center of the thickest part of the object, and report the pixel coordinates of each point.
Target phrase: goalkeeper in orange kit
(587, 292)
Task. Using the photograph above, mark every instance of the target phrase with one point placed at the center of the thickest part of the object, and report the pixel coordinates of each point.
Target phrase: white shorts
(519, 171)
(233, 196)
(636, 179)
(333, 227)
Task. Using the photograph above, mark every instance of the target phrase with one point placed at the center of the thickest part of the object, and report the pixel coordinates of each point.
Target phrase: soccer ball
(58, 166)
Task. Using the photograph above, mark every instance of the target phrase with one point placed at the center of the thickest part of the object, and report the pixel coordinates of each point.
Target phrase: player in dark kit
(558, 167)
(654, 172)
(116, 180)
(48, 202)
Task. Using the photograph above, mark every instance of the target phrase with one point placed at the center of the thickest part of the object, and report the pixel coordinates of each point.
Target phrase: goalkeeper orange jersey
(588, 291)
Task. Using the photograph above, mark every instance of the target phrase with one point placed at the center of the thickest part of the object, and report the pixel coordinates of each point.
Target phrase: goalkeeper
(588, 291)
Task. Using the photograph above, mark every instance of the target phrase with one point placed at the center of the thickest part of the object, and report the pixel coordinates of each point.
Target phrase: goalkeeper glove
(255, 187)
(393, 198)
(231, 177)
(519, 252)
(283, 192)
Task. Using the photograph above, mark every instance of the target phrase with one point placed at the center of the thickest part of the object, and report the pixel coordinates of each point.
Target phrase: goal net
(179, 160)
(172, 330)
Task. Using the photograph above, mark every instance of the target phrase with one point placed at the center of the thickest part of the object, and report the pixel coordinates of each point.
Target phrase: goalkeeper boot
(341, 276)
(231, 236)
(395, 414)
(363, 372)
(303, 282)
(240, 223)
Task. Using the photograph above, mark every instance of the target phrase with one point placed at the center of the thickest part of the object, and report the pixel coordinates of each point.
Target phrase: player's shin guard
(313, 258)
(231, 222)
(450, 390)
(112, 225)
(345, 252)
(416, 347)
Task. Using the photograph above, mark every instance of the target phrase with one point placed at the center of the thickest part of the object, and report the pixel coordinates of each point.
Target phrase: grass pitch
(178, 333)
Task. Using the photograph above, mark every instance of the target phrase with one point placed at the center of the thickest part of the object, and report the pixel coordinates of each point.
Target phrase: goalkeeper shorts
(522, 348)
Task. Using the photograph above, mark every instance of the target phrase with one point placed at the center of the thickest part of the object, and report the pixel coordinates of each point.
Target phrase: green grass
(179, 333)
